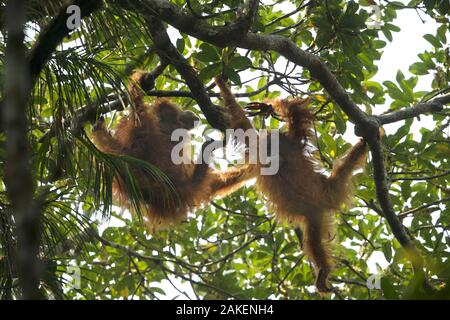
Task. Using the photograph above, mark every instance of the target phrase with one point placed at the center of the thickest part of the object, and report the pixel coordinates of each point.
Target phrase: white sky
(398, 55)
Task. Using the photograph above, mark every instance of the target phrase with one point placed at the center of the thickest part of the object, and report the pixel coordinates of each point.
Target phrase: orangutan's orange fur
(299, 193)
(146, 135)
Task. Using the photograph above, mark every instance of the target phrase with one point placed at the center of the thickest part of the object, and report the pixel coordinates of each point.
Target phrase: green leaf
(374, 87)
(340, 122)
(392, 27)
(400, 76)
(180, 45)
(208, 53)
(427, 58)
(441, 32)
(406, 190)
(396, 93)
(433, 40)
(330, 143)
(232, 75)
(210, 71)
(388, 288)
(387, 34)
(418, 68)
(387, 251)
(240, 62)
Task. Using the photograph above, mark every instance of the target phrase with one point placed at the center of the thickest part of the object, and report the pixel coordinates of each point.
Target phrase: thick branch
(233, 35)
(434, 105)
(53, 34)
(188, 94)
(18, 173)
(383, 197)
(91, 112)
(166, 50)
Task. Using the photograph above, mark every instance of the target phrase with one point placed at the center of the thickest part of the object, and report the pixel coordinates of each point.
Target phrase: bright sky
(398, 55)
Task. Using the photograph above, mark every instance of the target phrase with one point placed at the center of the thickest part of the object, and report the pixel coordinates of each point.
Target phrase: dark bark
(53, 34)
(50, 37)
(434, 105)
(166, 50)
(18, 172)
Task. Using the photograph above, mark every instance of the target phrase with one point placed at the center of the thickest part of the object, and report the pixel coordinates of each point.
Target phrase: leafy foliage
(233, 248)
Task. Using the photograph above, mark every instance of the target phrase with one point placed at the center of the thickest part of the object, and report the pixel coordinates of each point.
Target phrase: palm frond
(108, 167)
(63, 229)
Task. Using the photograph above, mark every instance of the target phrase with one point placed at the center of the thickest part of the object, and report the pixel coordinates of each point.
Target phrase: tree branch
(18, 172)
(166, 50)
(443, 174)
(414, 210)
(287, 15)
(234, 35)
(188, 94)
(382, 190)
(53, 34)
(91, 112)
(434, 105)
